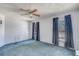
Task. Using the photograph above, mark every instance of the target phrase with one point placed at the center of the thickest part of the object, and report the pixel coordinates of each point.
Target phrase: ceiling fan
(30, 12)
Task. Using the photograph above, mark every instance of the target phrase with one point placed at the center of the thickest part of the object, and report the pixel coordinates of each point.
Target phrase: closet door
(33, 30)
(37, 31)
(68, 32)
(55, 31)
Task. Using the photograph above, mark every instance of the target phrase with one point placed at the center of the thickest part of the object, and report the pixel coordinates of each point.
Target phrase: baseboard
(77, 52)
(46, 43)
(2, 45)
(7, 44)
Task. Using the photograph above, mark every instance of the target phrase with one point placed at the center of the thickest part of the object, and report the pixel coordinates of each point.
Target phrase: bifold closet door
(37, 31)
(68, 32)
(55, 31)
(33, 30)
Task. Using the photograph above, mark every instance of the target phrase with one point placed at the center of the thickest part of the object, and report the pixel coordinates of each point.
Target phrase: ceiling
(43, 8)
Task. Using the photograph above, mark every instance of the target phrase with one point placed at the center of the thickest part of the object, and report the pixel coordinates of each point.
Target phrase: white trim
(77, 52)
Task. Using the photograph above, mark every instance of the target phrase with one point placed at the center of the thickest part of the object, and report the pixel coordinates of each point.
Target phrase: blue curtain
(37, 31)
(33, 29)
(55, 31)
(68, 32)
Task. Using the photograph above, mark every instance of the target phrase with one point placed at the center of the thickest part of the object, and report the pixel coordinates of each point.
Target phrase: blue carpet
(34, 48)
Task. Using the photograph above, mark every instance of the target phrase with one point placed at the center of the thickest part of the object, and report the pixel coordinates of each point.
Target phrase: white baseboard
(2, 45)
(77, 52)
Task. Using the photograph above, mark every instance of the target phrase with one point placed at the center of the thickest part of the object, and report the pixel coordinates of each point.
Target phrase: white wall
(30, 29)
(16, 29)
(46, 27)
(2, 30)
(46, 30)
(75, 21)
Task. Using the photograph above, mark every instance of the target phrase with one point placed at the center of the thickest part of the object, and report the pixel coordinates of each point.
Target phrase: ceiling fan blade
(24, 9)
(33, 11)
(36, 15)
